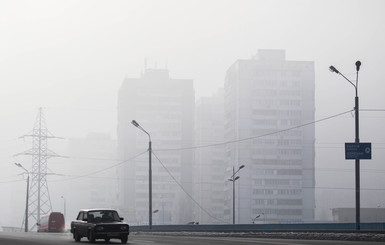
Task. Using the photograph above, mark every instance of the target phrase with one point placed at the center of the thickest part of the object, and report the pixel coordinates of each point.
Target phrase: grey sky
(71, 57)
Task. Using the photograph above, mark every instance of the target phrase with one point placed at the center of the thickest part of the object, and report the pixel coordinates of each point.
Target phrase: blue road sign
(358, 151)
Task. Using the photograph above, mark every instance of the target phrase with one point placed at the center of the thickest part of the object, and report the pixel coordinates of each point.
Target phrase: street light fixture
(357, 138)
(149, 173)
(233, 178)
(258, 216)
(26, 199)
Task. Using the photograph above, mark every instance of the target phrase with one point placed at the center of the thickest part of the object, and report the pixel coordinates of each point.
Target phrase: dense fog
(70, 58)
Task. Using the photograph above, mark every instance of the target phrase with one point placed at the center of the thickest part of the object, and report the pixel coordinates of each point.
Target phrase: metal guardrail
(263, 227)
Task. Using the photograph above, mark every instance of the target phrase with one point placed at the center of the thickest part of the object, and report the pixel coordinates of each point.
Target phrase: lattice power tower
(39, 202)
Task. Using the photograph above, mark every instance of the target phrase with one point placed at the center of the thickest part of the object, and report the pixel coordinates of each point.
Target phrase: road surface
(143, 239)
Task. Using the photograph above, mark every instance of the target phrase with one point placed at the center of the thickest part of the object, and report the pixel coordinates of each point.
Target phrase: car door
(82, 225)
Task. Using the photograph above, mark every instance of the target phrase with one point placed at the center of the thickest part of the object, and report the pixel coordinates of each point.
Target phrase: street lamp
(26, 199)
(149, 173)
(258, 216)
(357, 139)
(233, 178)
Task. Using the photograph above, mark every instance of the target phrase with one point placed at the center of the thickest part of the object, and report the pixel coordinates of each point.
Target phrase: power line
(10, 181)
(180, 185)
(202, 183)
(94, 158)
(104, 169)
(341, 188)
(258, 136)
(373, 110)
(205, 183)
(374, 171)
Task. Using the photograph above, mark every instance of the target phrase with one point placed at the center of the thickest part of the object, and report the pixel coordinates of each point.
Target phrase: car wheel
(124, 239)
(77, 237)
(91, 237)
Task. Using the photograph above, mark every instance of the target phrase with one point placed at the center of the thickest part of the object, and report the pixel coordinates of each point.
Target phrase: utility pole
(357, 140)
(25, 222)
(234, 178)
(39, 199)
(136, 124)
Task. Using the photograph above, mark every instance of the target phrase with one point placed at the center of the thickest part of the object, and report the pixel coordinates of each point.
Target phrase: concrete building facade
(94, 185)
(164, 107)
(267, 99)
(209, 167)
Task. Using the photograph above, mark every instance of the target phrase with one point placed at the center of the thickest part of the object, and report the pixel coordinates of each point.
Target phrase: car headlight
(124, 228)
(99, 228)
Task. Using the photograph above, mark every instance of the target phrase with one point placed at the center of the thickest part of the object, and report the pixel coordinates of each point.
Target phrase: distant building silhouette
(163, 106)
(259, 113)
(264, 97)
(95, 152)
(209, 167)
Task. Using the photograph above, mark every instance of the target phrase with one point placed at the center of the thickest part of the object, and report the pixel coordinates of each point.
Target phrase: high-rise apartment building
(164, 107)
(267, 99)
(209, 167)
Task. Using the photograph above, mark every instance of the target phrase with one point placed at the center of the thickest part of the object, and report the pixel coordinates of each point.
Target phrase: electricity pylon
(39, 202)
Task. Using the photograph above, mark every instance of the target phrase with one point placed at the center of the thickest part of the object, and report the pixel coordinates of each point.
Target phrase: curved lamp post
(233, 178)
(258, 216)
(357, 138)
(149, 173)
(26, 199)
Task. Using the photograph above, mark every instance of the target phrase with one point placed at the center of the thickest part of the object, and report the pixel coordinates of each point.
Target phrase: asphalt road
(143, 239)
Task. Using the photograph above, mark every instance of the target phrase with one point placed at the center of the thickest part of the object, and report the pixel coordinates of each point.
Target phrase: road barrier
(263, 227)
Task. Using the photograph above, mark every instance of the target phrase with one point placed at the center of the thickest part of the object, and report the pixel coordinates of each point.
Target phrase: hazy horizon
(71, 57)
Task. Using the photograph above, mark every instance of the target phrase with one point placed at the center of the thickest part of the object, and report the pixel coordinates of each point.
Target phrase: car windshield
(102, 216)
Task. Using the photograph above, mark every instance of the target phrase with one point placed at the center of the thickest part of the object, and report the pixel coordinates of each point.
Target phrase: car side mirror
(85, 219)
(121, 219)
